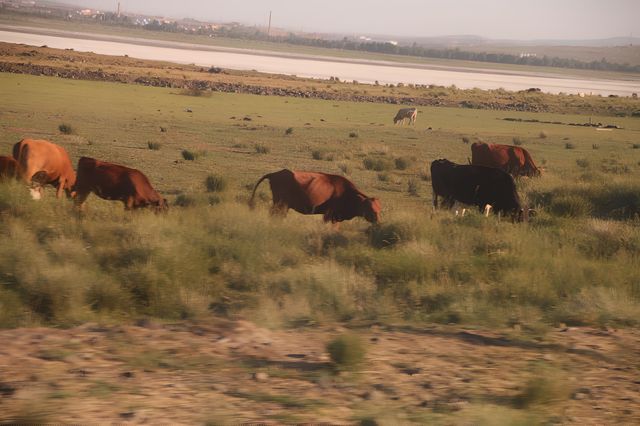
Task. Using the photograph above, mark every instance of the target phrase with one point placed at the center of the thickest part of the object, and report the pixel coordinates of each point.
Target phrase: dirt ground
(225, 371)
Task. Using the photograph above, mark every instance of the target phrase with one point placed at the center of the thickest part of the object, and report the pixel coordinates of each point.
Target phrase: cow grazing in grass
(476, 185)
(9, 168)
(44, 163)
(406, 113)
(333, 196)
(512, 159)
(115, 182)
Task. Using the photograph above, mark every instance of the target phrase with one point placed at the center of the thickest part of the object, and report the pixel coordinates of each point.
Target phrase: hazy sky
(515, 19)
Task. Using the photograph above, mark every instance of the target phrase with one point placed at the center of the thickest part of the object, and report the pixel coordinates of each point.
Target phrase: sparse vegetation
(192, 155)
(66, 129)
(154, 146)
(288, 131)
(516, 141)
(215, 183)
(317, 154)
(353, 134)
(261, 148)
(347, 352)
(543, 135)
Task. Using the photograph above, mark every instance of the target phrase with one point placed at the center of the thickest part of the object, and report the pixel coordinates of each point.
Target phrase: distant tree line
(429, 52)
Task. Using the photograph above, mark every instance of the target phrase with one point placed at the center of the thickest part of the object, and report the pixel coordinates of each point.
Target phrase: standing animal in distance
(46, 160)
(512, 159)
(333, 196)
(406, 113)
(476, 185)
(115, 182)
(9, 168)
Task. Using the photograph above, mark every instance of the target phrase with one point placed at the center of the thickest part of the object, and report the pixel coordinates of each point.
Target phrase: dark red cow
(115, 182)
(333, 196)
(514, 160)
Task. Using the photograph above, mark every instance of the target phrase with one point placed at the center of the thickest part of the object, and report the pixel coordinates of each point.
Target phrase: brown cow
(115, 182)
(512, 159)
(48, 161)
(8, 168)
(333, 196)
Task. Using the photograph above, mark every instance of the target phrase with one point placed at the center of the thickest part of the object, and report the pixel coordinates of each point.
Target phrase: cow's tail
(252, 203)
(20, 154)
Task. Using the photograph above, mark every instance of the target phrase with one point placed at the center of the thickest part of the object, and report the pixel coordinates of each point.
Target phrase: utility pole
(269, 29)
(118, 9)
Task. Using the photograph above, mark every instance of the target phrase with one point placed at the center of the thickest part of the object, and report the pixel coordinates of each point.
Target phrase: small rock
(219, 387)
(260, 376)
(6, 389)
(127, 414)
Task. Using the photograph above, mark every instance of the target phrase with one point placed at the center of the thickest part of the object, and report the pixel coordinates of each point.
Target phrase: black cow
(475, 185)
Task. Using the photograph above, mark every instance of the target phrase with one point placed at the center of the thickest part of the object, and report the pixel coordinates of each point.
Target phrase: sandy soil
(234, 371)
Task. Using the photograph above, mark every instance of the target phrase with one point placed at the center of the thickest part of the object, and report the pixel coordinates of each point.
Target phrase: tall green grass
(60, 269)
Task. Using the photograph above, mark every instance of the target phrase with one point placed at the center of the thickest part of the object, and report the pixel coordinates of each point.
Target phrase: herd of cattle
(488, 182)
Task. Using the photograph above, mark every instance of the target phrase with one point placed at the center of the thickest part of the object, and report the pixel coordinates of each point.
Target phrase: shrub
(465, 140)
(344, 167)
(569, 145)
(66, 129)
(571, 205)
(546, 387)
(595, 146)
(154, 146)
(412, 187)
(347, 352)
(388, 234)
(582, 163)
(517, 141)
(353, 134)
(383, 177)
(215, 183)
(542, 135)
(401, 163)
(377, 164)
(288, 131)
(635, 146)
(184, 200)
(262, 149)
(317, 155)
(191, 155)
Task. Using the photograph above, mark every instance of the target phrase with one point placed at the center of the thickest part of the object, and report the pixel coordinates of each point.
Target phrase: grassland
(576, 265)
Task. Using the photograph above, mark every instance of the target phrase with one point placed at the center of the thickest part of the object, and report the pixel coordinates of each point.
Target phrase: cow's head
(371, 209)
(161, 206)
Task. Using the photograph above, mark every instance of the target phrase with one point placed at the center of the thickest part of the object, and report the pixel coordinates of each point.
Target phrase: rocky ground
(234, 371)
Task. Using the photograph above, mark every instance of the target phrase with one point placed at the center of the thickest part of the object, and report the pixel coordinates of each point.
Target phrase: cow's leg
(61, 183)
(435, 200)
(129, 203)
(79, 200)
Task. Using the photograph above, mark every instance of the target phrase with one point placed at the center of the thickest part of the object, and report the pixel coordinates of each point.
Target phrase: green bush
(571, 205)
(154, 146)
(215, 183)
(353, 134)
(401, 163)
(261, 148)
(192, 155)
(347, 352)
(376, 164)
(288, 131)
(317, 155)
(66, 129)
(517, 141)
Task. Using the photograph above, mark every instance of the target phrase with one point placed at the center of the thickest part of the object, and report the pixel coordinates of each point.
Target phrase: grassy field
(623, 55)
(576, 264)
